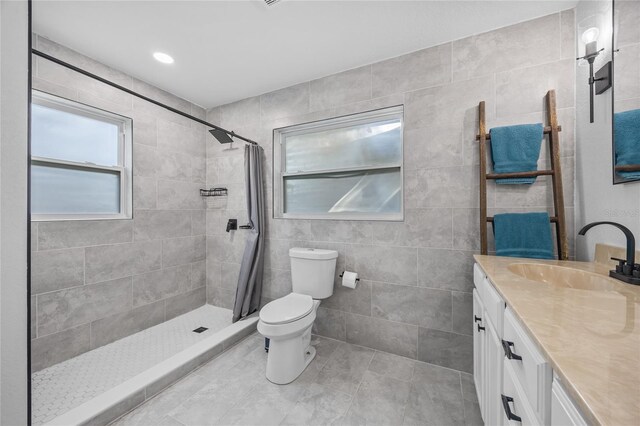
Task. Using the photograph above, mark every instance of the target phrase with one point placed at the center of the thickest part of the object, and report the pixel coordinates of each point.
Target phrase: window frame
(125, 154)
(279, 174)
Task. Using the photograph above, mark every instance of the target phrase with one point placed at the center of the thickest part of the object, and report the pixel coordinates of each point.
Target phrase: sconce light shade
(590, 35)
(590, 40)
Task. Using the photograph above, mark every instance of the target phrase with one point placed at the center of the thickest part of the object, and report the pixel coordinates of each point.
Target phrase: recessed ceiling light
(163, 57)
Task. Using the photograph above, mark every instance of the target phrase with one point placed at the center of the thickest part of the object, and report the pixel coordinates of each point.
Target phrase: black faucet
(627, 269)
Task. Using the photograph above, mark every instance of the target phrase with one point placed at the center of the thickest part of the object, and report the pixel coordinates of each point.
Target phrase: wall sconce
(602, 79)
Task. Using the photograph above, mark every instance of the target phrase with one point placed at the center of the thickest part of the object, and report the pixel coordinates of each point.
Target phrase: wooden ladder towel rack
(555, 171)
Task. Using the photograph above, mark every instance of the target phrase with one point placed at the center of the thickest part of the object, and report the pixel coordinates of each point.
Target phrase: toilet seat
(287, 309)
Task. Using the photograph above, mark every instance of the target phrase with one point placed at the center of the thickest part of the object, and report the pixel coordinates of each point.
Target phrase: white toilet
(287, 321)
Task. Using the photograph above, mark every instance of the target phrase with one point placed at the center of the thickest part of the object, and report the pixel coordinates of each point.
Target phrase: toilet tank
(313, 271)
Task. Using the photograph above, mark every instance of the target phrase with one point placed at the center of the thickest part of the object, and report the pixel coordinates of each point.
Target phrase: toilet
(287, 321)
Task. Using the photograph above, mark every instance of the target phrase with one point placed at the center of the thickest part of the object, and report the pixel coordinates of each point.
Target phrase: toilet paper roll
(349, 279)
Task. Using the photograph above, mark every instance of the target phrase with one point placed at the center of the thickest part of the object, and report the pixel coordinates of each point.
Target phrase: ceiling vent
(270, 2)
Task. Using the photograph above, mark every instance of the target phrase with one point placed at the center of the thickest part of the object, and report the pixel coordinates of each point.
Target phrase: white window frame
(279, 173)
(123, 169)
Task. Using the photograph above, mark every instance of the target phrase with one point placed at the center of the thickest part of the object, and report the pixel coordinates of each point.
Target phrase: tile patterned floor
(64, 386)
(345, 384)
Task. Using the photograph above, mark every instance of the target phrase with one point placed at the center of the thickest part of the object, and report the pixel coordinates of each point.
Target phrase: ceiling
(230, 50)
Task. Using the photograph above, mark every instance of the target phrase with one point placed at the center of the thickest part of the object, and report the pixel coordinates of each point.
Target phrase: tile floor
(345, 384)
(66, 385)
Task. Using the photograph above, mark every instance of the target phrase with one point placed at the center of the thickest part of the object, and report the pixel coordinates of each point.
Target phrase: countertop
(590, 337)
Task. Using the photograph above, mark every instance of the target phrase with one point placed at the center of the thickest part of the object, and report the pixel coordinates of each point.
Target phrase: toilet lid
(286, 309)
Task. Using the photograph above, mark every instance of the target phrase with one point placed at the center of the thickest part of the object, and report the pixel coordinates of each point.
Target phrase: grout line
(174, 419)
(370, 81)
(399, 323)
(355, 394)
(36, 321)
(453, 313)
(495, 96)
(406, 402)
(451, 62)
(464, 414)
(417, 351)
(453, 231)
(91, 339)
(84, 266)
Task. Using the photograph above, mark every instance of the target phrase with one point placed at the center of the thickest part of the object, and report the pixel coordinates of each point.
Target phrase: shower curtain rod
(141, 96)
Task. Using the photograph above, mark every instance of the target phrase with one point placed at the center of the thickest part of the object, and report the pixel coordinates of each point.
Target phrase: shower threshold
(101, 385)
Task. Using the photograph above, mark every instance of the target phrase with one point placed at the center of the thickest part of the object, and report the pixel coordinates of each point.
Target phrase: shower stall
(129, 295)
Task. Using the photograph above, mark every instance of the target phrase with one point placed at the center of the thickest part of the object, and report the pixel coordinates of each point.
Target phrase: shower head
(227, 137)
(221, 136)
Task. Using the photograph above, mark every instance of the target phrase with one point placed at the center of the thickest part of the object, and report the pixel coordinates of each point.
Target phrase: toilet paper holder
(357, 279)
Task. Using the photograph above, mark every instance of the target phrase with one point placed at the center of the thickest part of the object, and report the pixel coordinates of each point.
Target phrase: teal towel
(523, 235)
(516, 149)
(626, 127)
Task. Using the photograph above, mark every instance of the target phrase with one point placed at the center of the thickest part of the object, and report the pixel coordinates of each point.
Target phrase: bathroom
(277, 212)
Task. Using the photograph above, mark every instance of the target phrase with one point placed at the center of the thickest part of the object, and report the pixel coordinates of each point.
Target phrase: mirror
(626, 96)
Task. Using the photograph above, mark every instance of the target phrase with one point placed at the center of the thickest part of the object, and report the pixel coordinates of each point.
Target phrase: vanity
(555, 343)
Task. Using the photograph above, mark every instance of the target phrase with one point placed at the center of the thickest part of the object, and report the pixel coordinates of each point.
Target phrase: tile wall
(414, 297)
(96, 281)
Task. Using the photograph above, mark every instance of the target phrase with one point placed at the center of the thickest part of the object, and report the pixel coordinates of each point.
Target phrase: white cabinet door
(516, 410)
(478, 350)
(563, 411)
(494, 358)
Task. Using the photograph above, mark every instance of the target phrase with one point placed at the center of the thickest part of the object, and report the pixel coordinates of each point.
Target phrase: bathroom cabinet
(487, 348)
(514, 381)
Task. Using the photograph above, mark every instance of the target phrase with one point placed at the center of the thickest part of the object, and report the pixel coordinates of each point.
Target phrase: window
(80, 161)
(342, 168)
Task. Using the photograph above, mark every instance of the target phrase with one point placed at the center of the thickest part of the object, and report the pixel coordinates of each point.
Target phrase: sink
(562, 276)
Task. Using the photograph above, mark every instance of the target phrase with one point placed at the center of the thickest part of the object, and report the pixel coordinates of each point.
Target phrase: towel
(523, 235)
(516, 149)
(626, 130)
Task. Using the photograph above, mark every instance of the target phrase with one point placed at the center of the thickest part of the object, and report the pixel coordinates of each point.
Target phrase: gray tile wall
(97, 281)
(414, 297)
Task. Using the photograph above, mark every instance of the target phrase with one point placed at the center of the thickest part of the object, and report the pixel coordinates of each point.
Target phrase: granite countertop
(591, 337)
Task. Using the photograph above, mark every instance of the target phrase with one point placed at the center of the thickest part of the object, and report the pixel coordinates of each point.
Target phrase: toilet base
(287, 360)
(290, 350)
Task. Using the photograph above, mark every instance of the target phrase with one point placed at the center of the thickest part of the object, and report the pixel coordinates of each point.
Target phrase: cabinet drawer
(516, 409)
(531, 369)
(478, 279)
(494, 306)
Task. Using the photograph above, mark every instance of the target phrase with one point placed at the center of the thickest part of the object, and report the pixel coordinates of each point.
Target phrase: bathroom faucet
(627, 269)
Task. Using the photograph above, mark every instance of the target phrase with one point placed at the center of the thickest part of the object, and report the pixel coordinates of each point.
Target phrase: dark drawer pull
(506, 345)
(480, 328)
(476, 318)
(507, 408)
